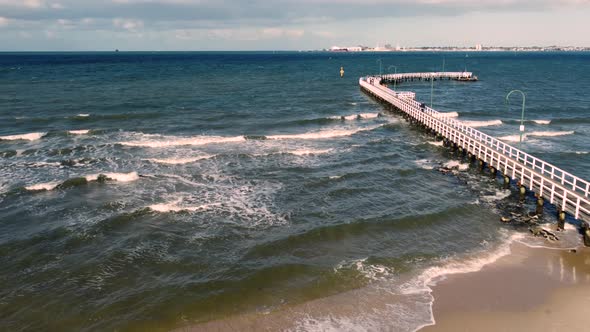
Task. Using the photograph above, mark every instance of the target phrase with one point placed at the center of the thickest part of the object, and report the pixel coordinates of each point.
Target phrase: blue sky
(55, 25)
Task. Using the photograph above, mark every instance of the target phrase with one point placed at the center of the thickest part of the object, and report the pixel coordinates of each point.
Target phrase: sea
(155, 191)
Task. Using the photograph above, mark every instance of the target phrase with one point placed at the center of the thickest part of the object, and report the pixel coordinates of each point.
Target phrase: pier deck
(566, 191)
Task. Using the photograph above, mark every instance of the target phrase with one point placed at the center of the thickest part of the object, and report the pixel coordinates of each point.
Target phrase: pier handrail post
(521, 129)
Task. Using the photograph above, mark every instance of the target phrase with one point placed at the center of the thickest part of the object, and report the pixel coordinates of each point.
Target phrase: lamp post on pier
(521, 129)
(380, 66)
(431, 88)
(394, 79)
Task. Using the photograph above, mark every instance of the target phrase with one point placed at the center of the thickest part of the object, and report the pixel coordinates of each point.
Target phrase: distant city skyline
(84, 25)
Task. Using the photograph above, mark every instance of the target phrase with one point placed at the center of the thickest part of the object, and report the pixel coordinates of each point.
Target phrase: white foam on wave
(499, 195)
(446, 115)
(79, 132)
(332, 133)
(455, 265)
(550, 133)
(373, 272)
(512, 138)
(582, 152)
(119, 177)
(425, 164)
(355, 116)
(306, 152)
(542, 122)
(516, 138)
(435, 143)
(23, 137)
(477, 124)
(83, 115)
(175, 207)
(178, 161)
(454, 164)
(42, 186)
(168, 141)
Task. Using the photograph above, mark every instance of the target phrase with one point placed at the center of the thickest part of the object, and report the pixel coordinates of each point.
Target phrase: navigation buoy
(341, 71)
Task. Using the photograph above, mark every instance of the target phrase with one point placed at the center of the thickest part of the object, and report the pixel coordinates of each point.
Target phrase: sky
(161, 25)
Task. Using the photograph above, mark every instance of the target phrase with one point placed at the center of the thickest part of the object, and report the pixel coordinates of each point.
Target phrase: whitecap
(542, 122)
(174, 207)
(512, 138)
(42, 186)
(178, 161)
(499, 195)
(168, 141)
(79, 132)
(83, 115)
(476, 124)
(305, 152)
(355, 116)
(435, 143)
(322, 134)
(425, 164)
(446, 115)
(119, 177)
(23, 137)
(454, 164)
(550, 133)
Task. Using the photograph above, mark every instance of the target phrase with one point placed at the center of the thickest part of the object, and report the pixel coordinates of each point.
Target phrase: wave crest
(23, 137)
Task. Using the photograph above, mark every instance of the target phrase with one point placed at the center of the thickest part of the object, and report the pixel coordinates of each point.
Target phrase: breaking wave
(178, 161)
(476, 124)
(550, 133)
(23, 137)
(516, 138)
(79, 132)
(169, 141)
(322, 134)
(356, 116)
(446, 115)
(74, 182)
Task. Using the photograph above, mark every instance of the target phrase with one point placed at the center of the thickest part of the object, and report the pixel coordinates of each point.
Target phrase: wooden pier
(566, 191)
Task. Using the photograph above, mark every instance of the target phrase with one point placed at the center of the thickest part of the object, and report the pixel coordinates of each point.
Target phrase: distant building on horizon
(478, 47)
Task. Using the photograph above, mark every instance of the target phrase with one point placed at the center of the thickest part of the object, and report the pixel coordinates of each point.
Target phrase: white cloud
(128, 24)
(3, 21)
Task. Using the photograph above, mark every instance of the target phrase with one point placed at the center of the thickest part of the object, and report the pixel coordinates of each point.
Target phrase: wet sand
(528, 290)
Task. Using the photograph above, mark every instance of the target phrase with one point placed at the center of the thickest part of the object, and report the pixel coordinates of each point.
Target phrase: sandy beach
(529, 289)
(532, 289)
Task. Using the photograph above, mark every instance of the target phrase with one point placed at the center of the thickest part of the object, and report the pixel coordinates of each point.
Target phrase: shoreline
(516, 287)
(538, 289)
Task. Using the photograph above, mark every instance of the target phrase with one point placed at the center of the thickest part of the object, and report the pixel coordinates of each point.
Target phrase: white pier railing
(567, 191)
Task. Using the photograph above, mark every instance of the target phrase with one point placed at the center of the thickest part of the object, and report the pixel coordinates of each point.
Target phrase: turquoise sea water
(160, 190)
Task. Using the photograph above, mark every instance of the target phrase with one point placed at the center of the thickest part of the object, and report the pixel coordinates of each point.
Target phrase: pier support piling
(506, 182)
(560, 220)
(586, 233)
(540, 203)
